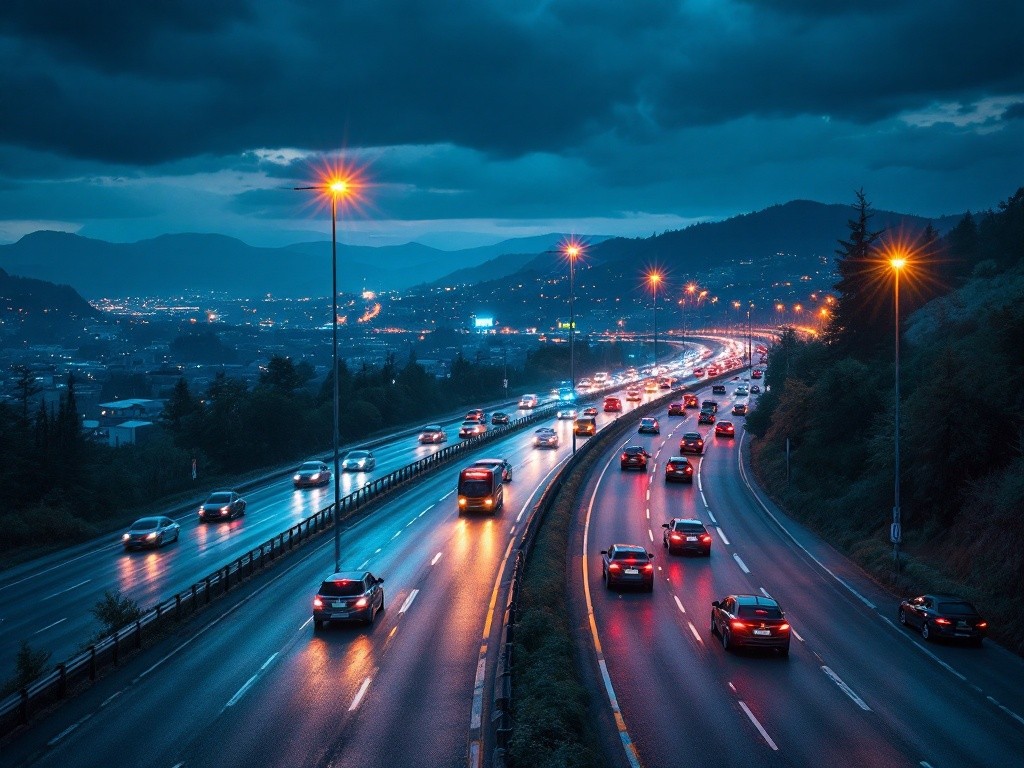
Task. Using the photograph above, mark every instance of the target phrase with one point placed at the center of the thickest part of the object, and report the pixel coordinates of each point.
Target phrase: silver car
(151, 532)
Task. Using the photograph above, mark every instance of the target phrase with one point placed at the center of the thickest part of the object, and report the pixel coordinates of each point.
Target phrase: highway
(256, 685)
(856, 689)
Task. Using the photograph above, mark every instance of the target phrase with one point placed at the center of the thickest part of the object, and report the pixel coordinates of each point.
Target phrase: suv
(712, 404)
(679, 468)
(348, 596)
(627, 564)
(686, 535)
(676, 409)
(634, 456)
(691, 442)
(718, 389)
(585, 425)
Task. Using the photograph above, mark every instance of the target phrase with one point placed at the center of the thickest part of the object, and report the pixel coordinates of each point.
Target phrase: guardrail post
(159, 615)
(138, 634)
(194, 606)
(291, 544)
(227, 577)
(92, 662)
(207, 590)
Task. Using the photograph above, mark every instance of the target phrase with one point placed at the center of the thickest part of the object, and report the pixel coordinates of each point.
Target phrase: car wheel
(318, 624)
(726, 645)
(925, 632)
(902, 617)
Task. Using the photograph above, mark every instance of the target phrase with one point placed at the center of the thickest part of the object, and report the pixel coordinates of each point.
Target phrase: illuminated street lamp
(897, 263)
(335, 186)
(654, 278)
(691, 289)
(572, 252)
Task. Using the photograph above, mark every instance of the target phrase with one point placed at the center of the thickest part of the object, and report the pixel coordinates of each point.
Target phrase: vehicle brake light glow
(705, 538)
(648, 567)
(676, 537)
(614, 567)
(318, 603)
(942, 621)
(625, 456)
(783, 627)
(735, 624)
(362, 602)
(981, 624)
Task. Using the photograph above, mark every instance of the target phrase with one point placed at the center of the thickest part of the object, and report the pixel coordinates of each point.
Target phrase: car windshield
(625, 554)
(469, 425)
(759, 612)
(343, 588)
(219, 498)
(432, 428)
(145, 524)
(474, 488)
(691, 436)
(959, 608)
(358, 454)
(690, 527)
(634, 450)
(310, 466)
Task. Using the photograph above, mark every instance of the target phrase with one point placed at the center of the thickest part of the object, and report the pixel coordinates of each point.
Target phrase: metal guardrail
(502, 702)
(83, 668)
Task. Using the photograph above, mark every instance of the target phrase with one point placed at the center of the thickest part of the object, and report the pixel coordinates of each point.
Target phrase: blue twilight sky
(488, 119)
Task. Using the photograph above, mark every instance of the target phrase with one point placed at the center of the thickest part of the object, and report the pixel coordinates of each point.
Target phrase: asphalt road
(856, 689)
(258, 687)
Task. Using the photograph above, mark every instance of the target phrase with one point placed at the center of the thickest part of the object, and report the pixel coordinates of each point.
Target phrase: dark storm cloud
(149, 82)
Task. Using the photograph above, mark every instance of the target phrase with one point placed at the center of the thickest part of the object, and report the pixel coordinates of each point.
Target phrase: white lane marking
(650, 533)
(62, 734)
(359, 695)
(846, 689)
(426, 510)
(733, 687)
(436, 558)
(796, 634)
(759, 727)
(648, 513)
(363, 566)
(306, 623)
(377, 551)
(267, 662)
(397, 534)
(110, 699)
(654, 469)
(765, 593)
(924, 650)
(679, 604)
(408, 601)
(241, 692)
(711, 515)
(511, 530)
(478, 691)
(696, 634)
(702, 498)
(411, 522)
(648, 493)
(925, 764)
(1012, 714)
(76, 586)
(740, 563)
(447, 495)
(746, 482)
(700, 486)
(520, 515)
(722, 534)
(50, 626)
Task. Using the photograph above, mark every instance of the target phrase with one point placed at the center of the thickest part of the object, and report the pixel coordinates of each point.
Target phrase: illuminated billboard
(483, 322)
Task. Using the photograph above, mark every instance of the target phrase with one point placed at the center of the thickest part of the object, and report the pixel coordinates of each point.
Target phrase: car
(690, 401)
(706, 417)
(612, 404)
(433, 433)
(590, 411)
(348, 596)
(359, 461)
(150, 532)
(499, 418)
(505, 464)
(634, 456)
(476, 414)
(472, 429)
(691, 442)
(566, 413)
(634, 394)
(713, 370)
(676, 409)
(649, 425)
(545, 437)
(222, 505)
(718, 389)
(678, 468)
(627, 564)
(725, 429)
(755, 390)
(943, 616)
(742, 390)
(698, 372)
(757, 373)
(526, 402)
(740, 409)
(665, 382)
(651, 385)
(684, 534)
(750, 620)
(566, 394)
(311, 473)
(711, 405)
(585, 425)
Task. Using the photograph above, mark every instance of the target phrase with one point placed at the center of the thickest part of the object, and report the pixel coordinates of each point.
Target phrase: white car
(545, 437)
(472, 428)
(566, 413)
(742, 390)
(528, 401)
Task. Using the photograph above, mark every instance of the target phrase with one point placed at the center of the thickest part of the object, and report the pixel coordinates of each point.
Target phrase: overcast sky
(486, 119)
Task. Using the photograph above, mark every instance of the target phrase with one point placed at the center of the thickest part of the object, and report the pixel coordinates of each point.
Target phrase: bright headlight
(315, 476)
(297, 477)
(125, 537)
(150, 536)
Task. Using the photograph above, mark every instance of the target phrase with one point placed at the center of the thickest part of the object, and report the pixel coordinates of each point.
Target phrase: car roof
(158, 518)
(433, 428)
(686, 520)
(634, 448)
(348, 576)
(648, 418)
(692, 434)
(678, 459)
(723, 423)
(489, 462)
(628, 548)
(767, 602)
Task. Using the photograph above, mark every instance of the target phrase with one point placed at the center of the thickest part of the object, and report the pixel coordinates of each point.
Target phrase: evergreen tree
(858, 326)
(180, 413)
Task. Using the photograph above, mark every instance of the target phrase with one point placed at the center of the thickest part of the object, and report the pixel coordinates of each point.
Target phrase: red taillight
(783, 627)
(676, 537)
(736, 624)
(981, 624)
(942, 621)
(689, 470)
(670, 468)
(705, 538)
(614, 567)
(362, 602)
(625, 457)
(318, 603)
(648, 567)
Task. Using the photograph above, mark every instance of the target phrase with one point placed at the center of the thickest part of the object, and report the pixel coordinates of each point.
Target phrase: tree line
(961, 412)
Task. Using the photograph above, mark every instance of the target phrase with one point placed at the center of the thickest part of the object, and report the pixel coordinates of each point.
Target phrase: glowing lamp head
(337, 186)
(898, 263)
(572, 251)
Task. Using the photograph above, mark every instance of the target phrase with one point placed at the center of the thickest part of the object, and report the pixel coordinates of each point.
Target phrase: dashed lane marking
(408, 601)
(359, 695)
(722, 534)
(740, 563)
(759, 727)
(846, 689)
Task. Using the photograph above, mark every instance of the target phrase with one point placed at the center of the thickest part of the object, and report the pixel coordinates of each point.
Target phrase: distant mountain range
(35, 310)
(802, 234)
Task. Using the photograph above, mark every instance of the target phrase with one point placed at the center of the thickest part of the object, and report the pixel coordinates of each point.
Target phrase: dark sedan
(676, 409)
(151, 532)
(686, 535)
(500, 418)
(348, 596)
(750, 620)
(706, 417)
(691, 442)
(649, 425)
(627, 564)
(634, 456)
(740, 409)
(222, 505)
(943, 616)
(678, 468)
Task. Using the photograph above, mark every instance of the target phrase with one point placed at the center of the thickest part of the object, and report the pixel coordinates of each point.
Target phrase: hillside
(39, 311)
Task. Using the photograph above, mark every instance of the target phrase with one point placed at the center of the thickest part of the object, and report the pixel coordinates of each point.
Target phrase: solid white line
(650, 533)
(1012, 714)
(62, 734)
(267, 662)
(436, 558)
(679, 604)
(711, 515)
(76, 586)
(306, 623)
(408, 601)
(696, 634)
(740, 563)
(447, 495)
(359, 695)
(241, 692)
(796, 634)
(765, 593)
(702, 498)
(478, 692)
(759, 727)
(722, 534)
(50, 626)
(700, 486)
(846, 689)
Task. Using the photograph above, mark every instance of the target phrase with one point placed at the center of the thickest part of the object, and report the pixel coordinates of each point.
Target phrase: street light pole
(572, 252)
(749, 356)
(897, 534)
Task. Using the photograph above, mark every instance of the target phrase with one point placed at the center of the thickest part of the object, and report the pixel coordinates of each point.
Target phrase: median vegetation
(961, 416)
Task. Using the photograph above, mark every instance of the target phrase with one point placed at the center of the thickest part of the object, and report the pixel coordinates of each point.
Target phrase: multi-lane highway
(856, 689)
(257, 685)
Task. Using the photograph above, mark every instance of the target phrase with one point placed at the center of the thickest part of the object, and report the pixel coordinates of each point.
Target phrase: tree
(179, 413)
(858, 326)
(26, 388)
(282, 376)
